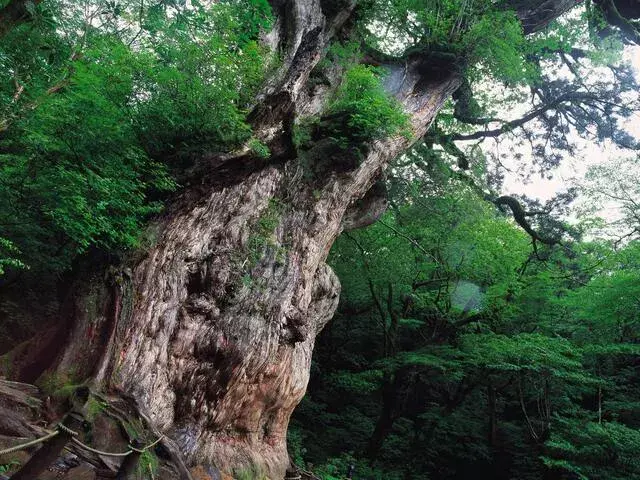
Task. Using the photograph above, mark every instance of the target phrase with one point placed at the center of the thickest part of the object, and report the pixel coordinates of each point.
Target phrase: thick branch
(520, 216)
(536, 15)
(532, 115)
(613, 16)
(447, 143)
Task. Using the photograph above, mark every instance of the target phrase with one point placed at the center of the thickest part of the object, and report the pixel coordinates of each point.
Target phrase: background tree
(457, 352)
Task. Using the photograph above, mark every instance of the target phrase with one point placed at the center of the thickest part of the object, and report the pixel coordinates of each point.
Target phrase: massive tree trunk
(210, 329)
(211, 332)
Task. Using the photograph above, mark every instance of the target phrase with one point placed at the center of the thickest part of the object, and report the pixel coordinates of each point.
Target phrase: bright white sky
(571, 170)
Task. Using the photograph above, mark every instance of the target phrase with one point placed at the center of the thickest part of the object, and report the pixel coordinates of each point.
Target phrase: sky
(572, 170)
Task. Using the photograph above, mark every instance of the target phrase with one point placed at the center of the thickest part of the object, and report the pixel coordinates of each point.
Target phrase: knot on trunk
(367, 210)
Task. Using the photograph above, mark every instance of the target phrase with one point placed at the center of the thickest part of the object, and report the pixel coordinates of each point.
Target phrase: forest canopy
(458, 353)
(102, 106)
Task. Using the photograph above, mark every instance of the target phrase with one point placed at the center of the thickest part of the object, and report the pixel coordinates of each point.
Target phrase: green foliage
(94, 407)
(295, 446)
(336, 469)
(199, 85)
(134, 428)
(94, 119)
(356, 382)
(301, 135)
(497, 44)
(89, 176)
(594, 450)
(7, 467)
(359, 111)
(456, 353)
(61, 385)
(148, 465)
(343, 55)
(8, 254)
(259, 148)
(472, 32)
(263, 235)
(251, 473)
(612, 184)
(366, 109)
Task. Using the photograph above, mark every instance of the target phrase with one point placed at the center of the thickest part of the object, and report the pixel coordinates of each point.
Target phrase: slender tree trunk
(387, 416)
(599, 403)
(493, 416)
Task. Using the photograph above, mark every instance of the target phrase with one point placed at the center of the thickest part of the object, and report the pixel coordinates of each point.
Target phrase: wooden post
(50, 450)
(129, 466)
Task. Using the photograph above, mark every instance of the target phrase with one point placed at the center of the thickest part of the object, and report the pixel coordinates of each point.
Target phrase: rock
(53, 473)
(57, 472)
(83, 472)
(18, 406)
(67, 462)
(18, 458)
(107, 436)
(13, 423)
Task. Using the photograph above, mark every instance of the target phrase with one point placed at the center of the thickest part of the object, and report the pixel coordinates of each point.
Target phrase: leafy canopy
(371, 113)
(471, 33)
(101, 104)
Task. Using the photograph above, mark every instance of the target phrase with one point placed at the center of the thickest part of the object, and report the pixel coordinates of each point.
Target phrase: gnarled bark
(212, 331)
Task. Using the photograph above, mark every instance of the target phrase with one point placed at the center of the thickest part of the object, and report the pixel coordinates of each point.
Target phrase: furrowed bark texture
(211, 332)
(537, 14)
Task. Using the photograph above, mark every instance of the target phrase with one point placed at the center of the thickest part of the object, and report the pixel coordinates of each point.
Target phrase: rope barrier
(66, 429)
(29, 444)
(123, 454)
(100, 452)
(63, 428)
(143, 449)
